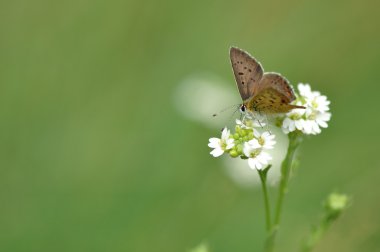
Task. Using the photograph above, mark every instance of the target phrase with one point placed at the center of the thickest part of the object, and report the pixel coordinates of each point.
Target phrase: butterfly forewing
(248, 72)
(279, 83)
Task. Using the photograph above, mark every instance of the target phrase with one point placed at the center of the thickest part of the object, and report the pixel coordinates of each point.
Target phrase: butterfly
(265, 93)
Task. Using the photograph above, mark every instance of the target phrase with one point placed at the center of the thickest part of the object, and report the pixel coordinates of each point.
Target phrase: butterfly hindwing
(270, 101)
(248, 72)
(279, 83)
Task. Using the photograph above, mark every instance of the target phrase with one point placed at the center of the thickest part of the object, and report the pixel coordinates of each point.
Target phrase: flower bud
(335, 204)
(234, 153)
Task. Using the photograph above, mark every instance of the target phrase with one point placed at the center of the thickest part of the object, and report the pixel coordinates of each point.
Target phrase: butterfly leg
(267, 122)
(258, 119)
(243, 120)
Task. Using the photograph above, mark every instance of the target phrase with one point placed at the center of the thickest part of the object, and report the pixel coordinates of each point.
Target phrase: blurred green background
(95, 157)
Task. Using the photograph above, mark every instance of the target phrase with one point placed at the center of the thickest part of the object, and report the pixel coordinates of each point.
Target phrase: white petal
(256, 134)
(230, 140)
(230, 144)
(247, 149)
(225, 133)
(299, 112)
(271, 137)
(214, 142)
(252, 163)
(316, 128)
(292, 127)
(269, 145)
(217, 152)
(308, 111)
(307, 127)
(259, 166)
(299, 124)
(304, 89)
(321, 123)
(324, 116)
(316, 93)
(262, 159)
(286, 123)
(265, 134)
(254, 144)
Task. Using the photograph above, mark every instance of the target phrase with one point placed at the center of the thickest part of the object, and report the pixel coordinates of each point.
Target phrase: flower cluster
(247, 142)
(313, 118)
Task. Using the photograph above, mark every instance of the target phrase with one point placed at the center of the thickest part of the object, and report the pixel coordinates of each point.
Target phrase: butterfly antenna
(233, 114)
(225, 109)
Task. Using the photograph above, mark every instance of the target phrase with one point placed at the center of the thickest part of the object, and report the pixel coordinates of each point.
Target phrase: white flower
(242, 124)
(250, 123)
(313, 99)
(322, 119)
(320, 103)
(257, 158)
(311, 119)
(315, 120)
(222, 144)
(264, 140)
(305, 90)
(294, 120)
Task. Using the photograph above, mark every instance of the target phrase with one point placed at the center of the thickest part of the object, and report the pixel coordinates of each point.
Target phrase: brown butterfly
(265, 93)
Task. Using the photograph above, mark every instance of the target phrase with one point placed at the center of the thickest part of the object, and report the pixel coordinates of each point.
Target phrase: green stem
(286, 166)
(316, 235)
(334, 207)
(263, 175)
(269, 243)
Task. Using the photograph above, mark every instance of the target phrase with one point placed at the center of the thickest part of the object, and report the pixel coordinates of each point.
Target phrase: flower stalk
(286, 167)
(334, 206)
(294, 141)
(263, 177)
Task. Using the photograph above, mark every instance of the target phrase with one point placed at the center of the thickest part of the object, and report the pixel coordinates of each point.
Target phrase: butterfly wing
(271, 101)
(278, 83)
(247, 70)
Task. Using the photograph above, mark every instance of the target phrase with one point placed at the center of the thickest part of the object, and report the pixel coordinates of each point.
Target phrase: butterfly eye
(242, 108)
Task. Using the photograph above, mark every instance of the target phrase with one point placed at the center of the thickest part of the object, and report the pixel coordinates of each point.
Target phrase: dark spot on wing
(240, 73)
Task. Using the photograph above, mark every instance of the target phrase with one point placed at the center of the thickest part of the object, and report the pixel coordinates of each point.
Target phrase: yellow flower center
(261, 141)
(295, 116)
(312, 116)
(254, 153)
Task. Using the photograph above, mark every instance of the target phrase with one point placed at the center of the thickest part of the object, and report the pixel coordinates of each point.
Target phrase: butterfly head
(243, 108)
